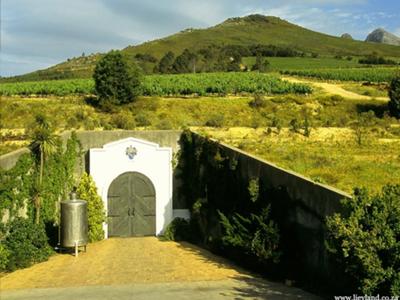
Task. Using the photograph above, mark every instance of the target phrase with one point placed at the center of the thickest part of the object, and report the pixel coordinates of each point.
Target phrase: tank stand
(76, 249)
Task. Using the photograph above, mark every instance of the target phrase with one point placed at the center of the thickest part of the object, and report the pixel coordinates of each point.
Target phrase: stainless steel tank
(74, 223)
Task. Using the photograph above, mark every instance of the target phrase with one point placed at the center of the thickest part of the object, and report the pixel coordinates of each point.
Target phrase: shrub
(27, 244)
(394, 94)
(258, 101)
(117, 81)
(4, 257)
(216, 120)
(164, 124)
(256, 235)
(96, 215)
(179, 230)
(366, 240)
(123, 120)
(142, 120)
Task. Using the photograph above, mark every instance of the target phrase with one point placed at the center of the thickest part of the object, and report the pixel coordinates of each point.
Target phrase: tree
(117, 80)
(394, 95)
(185, 63)
(261, 64)
(166, 62)
(366, 240)
(96, 215)
(43, 144)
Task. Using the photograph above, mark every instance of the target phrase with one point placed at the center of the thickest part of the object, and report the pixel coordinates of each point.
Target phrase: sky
(36, 34)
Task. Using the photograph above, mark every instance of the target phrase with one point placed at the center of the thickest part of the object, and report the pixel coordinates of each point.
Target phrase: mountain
(382, 36)
(244, 31)
(346, 36)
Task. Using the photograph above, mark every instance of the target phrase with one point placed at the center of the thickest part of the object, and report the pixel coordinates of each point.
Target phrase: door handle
(129, 211)
(133, 212)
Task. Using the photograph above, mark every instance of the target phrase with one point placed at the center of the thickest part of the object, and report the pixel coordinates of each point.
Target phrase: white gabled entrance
(125, 172)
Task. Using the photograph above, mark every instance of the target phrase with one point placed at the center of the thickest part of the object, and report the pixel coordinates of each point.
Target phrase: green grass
(164, 85)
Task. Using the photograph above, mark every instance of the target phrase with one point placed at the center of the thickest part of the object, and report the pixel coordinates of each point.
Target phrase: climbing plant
(229, 212)
(16, 187)
(96, 214)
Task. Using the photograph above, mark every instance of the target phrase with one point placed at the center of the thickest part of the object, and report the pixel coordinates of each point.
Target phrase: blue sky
(36, 34)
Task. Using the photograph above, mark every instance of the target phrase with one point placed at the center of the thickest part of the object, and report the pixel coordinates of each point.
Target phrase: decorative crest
(131, 152)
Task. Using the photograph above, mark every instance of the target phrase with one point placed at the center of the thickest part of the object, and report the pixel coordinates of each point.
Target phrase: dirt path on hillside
(334, 89)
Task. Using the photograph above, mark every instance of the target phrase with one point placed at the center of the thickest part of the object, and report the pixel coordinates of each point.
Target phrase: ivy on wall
(229, 212)
(17, 184)
(16, 187)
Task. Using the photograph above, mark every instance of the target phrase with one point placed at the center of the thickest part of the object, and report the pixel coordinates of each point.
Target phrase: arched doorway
(131, 206)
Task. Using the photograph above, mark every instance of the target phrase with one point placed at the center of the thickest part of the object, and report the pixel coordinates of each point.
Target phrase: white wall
(109, 162)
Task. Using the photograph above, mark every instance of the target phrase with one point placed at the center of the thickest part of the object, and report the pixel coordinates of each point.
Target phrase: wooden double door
(131, 206)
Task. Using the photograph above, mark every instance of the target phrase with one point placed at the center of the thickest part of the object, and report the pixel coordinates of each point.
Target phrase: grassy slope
(270, 30)
(330, 155)
(239, 31)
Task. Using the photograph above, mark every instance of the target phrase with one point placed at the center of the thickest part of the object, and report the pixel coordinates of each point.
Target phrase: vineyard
(349, 74)
(219, 83)
(164, 85)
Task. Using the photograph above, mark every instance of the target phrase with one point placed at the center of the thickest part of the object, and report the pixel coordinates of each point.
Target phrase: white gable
(135, 155)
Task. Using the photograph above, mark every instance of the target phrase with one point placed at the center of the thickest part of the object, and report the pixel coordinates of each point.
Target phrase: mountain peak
(382, 36)
(254, 18)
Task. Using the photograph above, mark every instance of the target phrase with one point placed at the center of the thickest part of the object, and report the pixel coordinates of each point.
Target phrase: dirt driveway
(334, 89)
(134, 266)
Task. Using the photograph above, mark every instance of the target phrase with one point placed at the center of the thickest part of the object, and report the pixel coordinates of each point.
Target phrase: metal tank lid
(73, 200)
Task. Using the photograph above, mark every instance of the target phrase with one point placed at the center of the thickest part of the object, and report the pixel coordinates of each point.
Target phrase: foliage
(96, 214)
(50, 87)
(19, 185)
(360, 126)
(165, 85)
(219, 83)
(216, 120)
(42, 146)
(375, 59)
(254, 189)
(258, 101)
(179, 230)
(394, 95)
(366, 240)
(4, 256)
(116, 80)
(166, 62)
(381, 74)
(26, 243)
(185, 63)
(16, 186)
(261, 64)
(256, 234)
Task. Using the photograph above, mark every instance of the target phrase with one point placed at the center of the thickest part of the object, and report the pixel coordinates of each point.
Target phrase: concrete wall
(299, 206)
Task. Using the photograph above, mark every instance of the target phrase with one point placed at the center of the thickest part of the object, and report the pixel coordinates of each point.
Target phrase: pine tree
(117, 81)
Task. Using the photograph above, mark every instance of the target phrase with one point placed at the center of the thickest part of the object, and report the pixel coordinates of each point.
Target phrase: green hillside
(246, 31)
(257, 29)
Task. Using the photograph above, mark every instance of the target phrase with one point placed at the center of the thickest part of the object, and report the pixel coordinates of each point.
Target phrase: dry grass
(329, 155)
